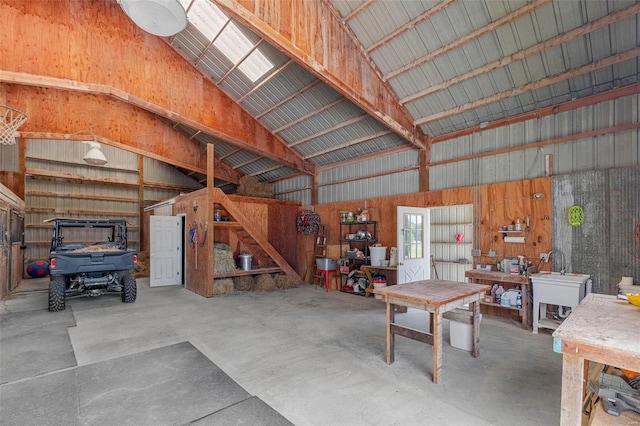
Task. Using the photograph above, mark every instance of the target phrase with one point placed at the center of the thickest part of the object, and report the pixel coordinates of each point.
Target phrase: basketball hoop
(10, 120)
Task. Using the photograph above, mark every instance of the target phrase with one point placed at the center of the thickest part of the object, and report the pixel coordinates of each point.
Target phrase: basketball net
(10, 120)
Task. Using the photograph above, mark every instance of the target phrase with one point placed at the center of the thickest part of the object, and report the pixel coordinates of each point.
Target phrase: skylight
(214, 24)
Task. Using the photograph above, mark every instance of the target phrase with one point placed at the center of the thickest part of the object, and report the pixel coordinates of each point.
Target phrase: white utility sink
(554, 288)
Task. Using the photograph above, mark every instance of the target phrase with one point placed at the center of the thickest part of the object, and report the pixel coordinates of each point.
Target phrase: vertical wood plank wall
(499, 204)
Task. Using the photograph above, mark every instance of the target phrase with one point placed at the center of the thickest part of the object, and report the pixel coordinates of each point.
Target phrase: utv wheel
(56, 294)
(129, 288)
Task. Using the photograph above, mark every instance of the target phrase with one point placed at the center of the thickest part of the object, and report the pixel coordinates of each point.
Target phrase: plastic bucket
(245, 261)
(379, 285)
(377, 254)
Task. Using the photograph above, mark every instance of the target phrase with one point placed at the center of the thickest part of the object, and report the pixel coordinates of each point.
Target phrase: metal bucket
(245, 261)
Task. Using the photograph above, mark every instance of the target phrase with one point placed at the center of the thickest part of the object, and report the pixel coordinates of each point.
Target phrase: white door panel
(413, 244)
(166, 251)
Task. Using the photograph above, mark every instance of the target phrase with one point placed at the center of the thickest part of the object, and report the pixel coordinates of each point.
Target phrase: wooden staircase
(267, 257)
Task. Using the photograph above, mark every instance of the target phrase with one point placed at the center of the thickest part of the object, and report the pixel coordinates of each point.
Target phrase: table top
(483, 274)
(606, 322)
(433, 292)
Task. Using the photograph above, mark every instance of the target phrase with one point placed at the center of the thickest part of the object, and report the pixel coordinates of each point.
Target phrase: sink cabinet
(555, 289)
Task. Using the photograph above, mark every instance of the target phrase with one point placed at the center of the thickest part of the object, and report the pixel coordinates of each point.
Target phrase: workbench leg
(474, 307)
(573, 385)
(391, 317)
(437, 345)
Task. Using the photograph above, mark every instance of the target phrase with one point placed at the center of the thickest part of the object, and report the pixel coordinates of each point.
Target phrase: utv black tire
(56, 294)
(129, 288)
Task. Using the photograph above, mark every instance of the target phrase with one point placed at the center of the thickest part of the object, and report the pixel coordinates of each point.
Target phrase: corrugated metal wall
(592, 153)
(294, 189)
(603, 152)
(81, 190)
(606, 246)
(396, 182)
(9, 158)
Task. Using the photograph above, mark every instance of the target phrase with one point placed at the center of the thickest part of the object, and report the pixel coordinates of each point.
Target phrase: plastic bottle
(499, 292)
(493, 291)
(518, 225)
(519, 300)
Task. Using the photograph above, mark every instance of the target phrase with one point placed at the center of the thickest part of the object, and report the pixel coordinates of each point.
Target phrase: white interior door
(413, 244)
(166, 251)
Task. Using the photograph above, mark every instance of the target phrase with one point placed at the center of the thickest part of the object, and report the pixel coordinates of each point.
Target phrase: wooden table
(477, 275)
(436, 297)
(602, 329)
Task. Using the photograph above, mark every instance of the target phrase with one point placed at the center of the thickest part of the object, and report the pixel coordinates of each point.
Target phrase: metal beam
(311, 114)
(348, 144)
(294, 95)
(330, 129)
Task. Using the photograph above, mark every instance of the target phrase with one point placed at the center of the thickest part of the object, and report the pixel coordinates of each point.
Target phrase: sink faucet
(562, 264)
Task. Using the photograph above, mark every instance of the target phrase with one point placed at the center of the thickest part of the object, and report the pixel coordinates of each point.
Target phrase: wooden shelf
(498, 305)
(258, 271)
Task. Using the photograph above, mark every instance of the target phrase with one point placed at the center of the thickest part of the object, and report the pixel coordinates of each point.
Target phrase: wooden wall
(498, 204)
(276, 219)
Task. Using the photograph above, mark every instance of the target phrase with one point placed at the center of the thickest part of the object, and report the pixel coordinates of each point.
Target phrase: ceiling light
(163, 18)
(94, 156)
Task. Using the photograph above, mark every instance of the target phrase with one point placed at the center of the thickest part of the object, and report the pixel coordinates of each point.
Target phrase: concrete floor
(318, 358)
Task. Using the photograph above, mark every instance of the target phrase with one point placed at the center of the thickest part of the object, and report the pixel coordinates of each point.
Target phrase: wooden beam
(311, 114)
(294, 95)
(543, 112)
(330, 129)
(593, 66)
(583, 135)
(510, 17)
(358, 10)
(311, 33)
(141, 199)
(175, 89)
(78, 196)
(423, 157)
(362, 158)
(370, 176)
(525, 53)
(264, 81)
(410, 25)
(211, 190)
(348, 144)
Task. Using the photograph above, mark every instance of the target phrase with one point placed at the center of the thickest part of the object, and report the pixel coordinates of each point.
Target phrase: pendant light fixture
(94, 156)
(162, 18)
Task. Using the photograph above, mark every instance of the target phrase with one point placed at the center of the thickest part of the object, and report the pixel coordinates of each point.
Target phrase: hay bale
(265, 283)
(223, 286)
(246, 283)
(144, 265)
(223, 259)
(284, 282)
(252, 187)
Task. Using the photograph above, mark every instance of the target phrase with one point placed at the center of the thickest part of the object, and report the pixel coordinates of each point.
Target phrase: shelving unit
(452, 258)
(352, 245)
(507, 281)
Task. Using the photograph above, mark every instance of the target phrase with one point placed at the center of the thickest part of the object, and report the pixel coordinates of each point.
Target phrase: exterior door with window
(413, 244)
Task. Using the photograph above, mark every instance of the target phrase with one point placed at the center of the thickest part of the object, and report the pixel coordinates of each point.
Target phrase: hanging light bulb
(94, 156)
(163, 18)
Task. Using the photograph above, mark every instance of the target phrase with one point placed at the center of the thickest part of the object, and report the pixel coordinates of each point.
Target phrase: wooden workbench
(436, 297)
(601, 329)
(482, 275)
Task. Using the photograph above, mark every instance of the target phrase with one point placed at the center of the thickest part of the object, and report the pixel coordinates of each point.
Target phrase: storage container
(245, 261)
(460, 334)
(325, 264)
